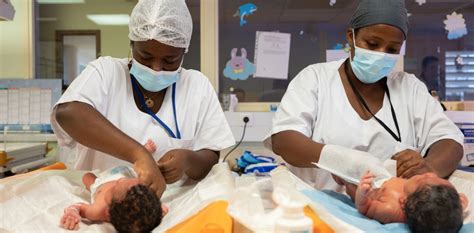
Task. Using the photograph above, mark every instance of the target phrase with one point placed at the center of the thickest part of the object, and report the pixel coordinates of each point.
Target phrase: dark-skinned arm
(202, 162)
(296, 149)
(195, 164)
(444, 156)
(90, 128)
(436, 131)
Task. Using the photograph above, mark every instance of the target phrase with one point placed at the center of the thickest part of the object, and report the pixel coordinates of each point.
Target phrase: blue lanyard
(148, 110)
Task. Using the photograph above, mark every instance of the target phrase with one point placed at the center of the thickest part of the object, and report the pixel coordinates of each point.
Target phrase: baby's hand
(365, 185)
(71, 218)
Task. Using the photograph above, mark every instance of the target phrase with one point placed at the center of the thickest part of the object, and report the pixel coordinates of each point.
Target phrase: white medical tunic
(105, 84)
(315, 104)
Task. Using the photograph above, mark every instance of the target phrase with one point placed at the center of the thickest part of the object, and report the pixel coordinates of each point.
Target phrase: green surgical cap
(371, 12)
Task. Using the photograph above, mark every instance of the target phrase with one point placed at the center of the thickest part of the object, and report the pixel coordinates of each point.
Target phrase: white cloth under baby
(111, 174)
(351, 165)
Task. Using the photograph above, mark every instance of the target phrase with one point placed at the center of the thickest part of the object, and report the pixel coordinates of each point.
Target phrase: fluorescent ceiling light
(60, 1)
(112, 19)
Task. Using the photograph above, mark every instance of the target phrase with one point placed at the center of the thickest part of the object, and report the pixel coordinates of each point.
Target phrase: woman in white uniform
(359, 103)
(115, 105)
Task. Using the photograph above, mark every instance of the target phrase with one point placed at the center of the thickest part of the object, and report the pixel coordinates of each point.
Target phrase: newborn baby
(118, 197)
(425, 202)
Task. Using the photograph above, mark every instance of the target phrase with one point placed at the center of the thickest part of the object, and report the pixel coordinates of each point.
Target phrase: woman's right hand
(149, 173)
(87, 126)
(411, 163)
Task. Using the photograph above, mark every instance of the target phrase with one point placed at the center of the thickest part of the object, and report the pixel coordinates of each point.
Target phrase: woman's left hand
(411, 163)
(174, 164)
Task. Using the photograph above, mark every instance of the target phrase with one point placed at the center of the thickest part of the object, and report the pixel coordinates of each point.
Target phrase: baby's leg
(88, 179)
(150, 146)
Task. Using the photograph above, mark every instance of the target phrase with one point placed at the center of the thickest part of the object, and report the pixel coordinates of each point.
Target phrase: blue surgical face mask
(371, 66)
(152, 80)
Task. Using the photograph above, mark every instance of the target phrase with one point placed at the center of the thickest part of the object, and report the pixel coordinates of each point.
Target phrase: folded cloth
(260, 168)
(250, 163)
(351, 164)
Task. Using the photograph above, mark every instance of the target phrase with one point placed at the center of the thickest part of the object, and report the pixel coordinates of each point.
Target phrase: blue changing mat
(342, 206)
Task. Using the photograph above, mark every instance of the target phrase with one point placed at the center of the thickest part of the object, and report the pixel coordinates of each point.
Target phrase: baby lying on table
(118, 197)
(425, 202)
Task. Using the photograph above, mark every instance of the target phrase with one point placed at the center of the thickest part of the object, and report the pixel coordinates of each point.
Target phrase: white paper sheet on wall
(272, 55)
(45, 106)
(13, 106)
(35, 105)
(3, 106)
(24, 106)
(28, 102)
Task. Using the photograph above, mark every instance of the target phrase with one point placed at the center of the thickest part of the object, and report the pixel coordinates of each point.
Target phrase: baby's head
(433, 205)
(134, 207)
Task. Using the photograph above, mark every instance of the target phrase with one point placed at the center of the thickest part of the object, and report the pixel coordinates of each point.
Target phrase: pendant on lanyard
(394, 116)
(153, 115)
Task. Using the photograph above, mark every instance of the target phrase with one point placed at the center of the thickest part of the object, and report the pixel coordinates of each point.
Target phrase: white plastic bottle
(292, 219)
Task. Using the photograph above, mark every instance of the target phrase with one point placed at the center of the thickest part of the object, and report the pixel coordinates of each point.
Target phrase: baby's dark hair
(139, 211)
(434, 209)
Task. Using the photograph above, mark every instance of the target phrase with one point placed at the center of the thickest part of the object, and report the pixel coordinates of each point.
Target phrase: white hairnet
(167, 21)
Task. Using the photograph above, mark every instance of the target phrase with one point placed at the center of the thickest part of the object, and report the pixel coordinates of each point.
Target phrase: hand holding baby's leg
(71, 218)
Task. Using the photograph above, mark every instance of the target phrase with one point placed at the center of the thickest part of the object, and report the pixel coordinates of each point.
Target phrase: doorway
(74, 50)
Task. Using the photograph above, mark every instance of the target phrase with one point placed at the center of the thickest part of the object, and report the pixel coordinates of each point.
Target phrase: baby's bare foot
(88, 179)
(150, 146)
(164, 210)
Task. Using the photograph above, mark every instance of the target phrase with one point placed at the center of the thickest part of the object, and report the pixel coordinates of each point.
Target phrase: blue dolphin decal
(245, 10)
